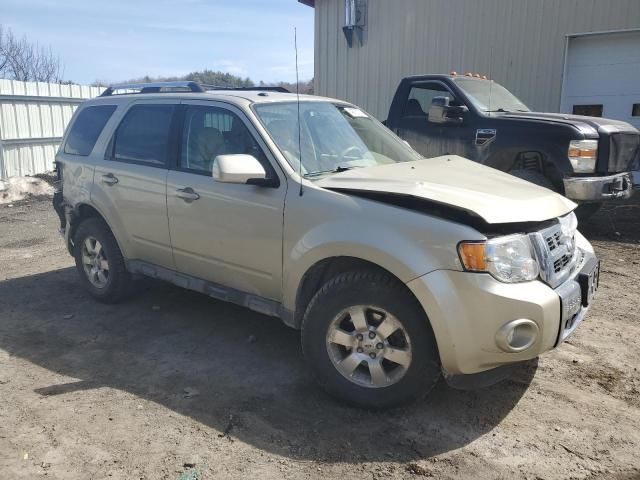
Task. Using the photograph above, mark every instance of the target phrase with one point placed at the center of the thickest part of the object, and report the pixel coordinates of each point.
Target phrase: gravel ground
(175, 385)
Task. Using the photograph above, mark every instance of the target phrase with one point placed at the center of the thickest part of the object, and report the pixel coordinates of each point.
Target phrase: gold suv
(396, 268)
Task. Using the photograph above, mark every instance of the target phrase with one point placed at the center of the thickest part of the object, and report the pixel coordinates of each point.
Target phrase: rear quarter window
(86, 129)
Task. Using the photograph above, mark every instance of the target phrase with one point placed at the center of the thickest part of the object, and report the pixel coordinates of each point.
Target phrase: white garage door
(603, 76)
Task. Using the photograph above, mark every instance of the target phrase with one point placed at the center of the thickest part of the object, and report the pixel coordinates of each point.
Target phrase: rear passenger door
(229, 234)
(130, 181)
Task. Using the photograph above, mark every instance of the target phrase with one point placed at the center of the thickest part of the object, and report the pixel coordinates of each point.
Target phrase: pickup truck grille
(624, 149)
(556, 250)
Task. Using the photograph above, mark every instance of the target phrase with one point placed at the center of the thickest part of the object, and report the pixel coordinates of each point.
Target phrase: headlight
(509, 259)
(582, 155)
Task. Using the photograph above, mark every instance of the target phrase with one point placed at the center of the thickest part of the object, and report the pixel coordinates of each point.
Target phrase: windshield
(489, 96)
(333, 138)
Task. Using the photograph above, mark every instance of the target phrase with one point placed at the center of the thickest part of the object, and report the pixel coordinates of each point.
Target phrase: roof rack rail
(177, 87)
(246, 89)
(153, 87)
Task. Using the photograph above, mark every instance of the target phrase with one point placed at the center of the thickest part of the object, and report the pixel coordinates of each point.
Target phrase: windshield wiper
(338, 169)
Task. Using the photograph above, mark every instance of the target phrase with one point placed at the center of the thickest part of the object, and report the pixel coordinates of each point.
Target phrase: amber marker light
(472, 255)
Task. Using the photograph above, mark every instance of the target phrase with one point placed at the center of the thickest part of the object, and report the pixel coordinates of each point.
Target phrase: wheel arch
(81, 212)
(323, 270)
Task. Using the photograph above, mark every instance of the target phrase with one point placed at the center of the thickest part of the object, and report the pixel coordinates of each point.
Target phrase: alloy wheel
(369, 346)
(95, 263)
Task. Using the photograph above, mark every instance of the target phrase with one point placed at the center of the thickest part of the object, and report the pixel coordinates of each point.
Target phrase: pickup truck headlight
(582, 155)
(509, 259)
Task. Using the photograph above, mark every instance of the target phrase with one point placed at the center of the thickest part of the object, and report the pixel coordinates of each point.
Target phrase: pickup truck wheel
(99, 262)
(534, 177)
(368, 341)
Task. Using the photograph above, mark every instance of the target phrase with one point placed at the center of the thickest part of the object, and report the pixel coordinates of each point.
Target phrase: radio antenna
(490, 77)
(295, 45)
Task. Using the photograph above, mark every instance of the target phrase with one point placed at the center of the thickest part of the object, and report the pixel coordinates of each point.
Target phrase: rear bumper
(468, 312)
(597, 189)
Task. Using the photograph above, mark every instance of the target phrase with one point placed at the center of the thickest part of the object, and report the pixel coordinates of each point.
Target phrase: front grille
(553, 241)
(624, 151)
(560, 263)
(556, 250)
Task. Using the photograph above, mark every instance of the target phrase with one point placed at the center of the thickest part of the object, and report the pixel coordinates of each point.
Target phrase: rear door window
(143, 135)
(86, 129)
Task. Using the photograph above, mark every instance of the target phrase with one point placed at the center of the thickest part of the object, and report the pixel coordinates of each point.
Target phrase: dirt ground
(175, 385)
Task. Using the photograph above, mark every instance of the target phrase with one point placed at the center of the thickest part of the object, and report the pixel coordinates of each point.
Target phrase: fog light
(517, 335)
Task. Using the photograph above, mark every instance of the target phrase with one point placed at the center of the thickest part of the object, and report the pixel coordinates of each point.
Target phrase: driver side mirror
(441, 112)
(239, 168)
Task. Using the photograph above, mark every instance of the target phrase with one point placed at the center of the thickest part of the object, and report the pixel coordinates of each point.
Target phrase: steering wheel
(354, 149)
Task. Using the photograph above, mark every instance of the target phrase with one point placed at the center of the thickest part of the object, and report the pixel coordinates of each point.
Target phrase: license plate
(589, 279)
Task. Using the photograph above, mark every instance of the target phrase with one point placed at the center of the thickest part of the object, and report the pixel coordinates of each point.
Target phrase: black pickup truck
(588, 159)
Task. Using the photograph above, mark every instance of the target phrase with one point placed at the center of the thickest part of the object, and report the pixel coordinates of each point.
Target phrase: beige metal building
(544, 51)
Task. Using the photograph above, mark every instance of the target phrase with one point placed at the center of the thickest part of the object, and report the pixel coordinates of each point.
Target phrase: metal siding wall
(30, 127)
(520, 43)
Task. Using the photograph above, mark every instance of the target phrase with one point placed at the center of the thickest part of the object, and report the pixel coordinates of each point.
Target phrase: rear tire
(100, 263)
(396, 359)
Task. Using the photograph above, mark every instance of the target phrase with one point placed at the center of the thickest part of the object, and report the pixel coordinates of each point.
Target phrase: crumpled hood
(495, 196)
(587, 125)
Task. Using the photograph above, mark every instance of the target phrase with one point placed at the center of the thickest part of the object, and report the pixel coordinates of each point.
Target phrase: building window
(635, 111)
(588, 110)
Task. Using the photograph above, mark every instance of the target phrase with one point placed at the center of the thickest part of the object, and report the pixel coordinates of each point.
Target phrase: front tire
(368, 341)
(100, 263)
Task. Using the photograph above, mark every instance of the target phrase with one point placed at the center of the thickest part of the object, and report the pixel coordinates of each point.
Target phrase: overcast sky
(121, 39)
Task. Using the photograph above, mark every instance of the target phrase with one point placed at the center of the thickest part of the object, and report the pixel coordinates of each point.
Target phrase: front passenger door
(229, 234)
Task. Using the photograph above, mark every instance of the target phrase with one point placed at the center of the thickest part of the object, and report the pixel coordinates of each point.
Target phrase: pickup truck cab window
(421, 96)
(333, 138)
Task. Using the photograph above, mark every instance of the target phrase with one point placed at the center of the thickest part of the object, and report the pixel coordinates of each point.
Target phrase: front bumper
(594, 189)
(468, 310)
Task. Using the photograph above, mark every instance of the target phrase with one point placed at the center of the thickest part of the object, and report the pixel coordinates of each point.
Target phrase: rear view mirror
(238, 168)
(441, 112)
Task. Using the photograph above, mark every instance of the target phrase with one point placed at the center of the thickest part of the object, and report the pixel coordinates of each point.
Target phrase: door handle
(109, 179)
(187, 194)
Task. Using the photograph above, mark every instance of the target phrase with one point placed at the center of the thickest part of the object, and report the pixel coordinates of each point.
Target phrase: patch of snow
(15, 189)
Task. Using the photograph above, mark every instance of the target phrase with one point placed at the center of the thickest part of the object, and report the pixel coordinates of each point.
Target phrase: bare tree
(26, 61)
